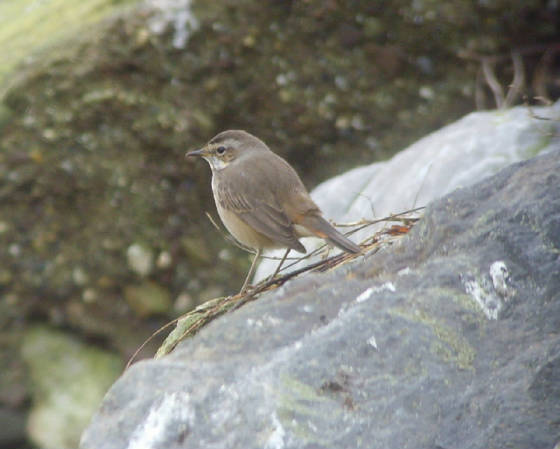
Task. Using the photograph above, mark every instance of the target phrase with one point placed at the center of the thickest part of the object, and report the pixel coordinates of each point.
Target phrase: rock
(140, 259)
(49, 27)
(175, 12)
(79, 276)
(12, 431)
(183, 303)
(391, 350)
(148, 298)
(164, 260)
(68, 380)
(13, 383)
(458, 155)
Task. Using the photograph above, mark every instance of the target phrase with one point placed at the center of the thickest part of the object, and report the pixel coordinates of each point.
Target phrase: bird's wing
(259, 208)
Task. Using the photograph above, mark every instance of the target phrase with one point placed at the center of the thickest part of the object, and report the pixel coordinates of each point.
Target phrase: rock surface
(448, 339)
(458, 155)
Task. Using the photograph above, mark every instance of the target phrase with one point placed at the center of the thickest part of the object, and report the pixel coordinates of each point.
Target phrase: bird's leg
(280, 264)
(325, 254)
(251, 271)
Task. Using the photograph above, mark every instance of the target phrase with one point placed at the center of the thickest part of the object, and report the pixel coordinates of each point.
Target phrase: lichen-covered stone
(68, 379)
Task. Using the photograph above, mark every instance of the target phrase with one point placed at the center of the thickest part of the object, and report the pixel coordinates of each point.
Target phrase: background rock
(30, 29)
(147, 298)
(69, 380)
(392, 350)
(13, 422)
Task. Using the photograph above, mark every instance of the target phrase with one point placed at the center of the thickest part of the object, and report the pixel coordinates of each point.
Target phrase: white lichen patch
(500, 275)
(489, 290)
(164, 420)
(251, 322)
(372, 341)
(366, 294)
(276, 438)
(405, 271)
(307, 308)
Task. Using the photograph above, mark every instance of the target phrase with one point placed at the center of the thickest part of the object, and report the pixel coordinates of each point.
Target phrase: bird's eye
(221, 150)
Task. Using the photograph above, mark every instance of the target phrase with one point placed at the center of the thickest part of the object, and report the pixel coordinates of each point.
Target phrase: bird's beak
(199, 153)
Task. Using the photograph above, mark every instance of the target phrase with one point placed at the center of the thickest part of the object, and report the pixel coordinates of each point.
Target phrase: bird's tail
(322, 228)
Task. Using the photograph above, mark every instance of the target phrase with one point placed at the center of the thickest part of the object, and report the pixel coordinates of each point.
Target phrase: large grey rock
(449, 339)
(458, 155)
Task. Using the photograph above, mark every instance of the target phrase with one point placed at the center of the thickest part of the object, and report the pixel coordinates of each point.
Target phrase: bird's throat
(216, 164)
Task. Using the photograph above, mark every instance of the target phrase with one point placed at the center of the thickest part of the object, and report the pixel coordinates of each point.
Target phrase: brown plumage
(261, 199)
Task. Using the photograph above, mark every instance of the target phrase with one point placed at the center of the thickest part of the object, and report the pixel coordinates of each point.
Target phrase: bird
(261, 200)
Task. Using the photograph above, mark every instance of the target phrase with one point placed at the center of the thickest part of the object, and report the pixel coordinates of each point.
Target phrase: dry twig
(516, 87)
(492, 81)
(191, 322)
(487, 74)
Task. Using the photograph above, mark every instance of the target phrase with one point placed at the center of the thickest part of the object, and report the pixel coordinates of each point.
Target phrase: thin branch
(149, 339)
(351, 224)
(373, 214)
(487, 72)
(189, 323)
(479, 96)
(514, 91)
(528, 50)
(542, 74)
(492, 81)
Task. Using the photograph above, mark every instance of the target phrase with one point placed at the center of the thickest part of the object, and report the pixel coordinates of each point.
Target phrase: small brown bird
(261, 199)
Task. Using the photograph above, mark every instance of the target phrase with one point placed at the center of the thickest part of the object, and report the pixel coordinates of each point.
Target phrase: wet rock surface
(449, 338)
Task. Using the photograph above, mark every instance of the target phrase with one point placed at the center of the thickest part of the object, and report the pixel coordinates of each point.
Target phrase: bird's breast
(242, 232)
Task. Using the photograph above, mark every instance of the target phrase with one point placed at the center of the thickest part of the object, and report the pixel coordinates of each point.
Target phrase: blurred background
(103, 236)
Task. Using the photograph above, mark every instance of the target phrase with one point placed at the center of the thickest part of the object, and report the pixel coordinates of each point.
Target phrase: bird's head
(228, 147)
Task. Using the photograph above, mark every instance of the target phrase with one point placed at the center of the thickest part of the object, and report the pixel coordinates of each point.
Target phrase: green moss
(297, 406)
(298, 392)
(30, 27)
(449, 346)
(535, 150)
